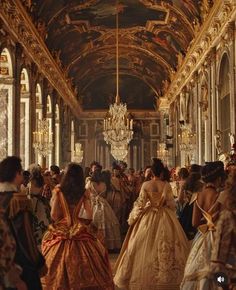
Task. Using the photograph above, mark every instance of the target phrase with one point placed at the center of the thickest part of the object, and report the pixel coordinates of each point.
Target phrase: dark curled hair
(97, 164)
(193, 182)
(73, 184)
(9, 167)
(212, 170)
(104, 176)
(157, 166)
(55, 169)
(107, 179)
(183, 173)
(166, 174)
(37, 177)
(97, 176)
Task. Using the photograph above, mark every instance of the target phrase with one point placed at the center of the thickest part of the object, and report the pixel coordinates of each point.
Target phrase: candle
(131, 124)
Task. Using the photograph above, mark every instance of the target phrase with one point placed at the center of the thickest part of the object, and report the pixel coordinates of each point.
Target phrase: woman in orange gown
(74, 257)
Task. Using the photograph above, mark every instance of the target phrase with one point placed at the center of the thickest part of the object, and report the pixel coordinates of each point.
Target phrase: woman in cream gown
(155, 250)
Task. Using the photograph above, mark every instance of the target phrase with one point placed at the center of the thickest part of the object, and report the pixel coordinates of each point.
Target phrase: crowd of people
(170, 229)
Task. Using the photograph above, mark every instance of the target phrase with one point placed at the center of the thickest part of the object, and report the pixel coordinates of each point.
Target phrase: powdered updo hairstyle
(157, 167)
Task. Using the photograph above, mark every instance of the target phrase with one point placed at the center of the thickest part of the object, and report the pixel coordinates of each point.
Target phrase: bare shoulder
(146, 184)
(154, 185)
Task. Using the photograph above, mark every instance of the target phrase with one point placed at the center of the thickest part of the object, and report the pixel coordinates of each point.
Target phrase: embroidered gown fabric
(104, 219)
(42, 219)
(197, 272)
(223, 256)
(7, 249)
(76, 260)
(155, 250)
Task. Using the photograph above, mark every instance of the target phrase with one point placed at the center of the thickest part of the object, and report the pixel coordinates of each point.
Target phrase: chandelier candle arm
(42, 138)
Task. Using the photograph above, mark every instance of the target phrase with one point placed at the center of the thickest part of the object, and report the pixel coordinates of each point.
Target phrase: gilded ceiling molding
(222, 13)
(179, 12)
(17, 20)
(85, 5)
(135, 48)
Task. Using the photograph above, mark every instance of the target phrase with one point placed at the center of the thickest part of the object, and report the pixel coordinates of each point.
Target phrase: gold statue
(218, 141)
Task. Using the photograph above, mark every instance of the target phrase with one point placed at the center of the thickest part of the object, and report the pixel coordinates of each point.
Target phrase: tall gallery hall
(117, 144)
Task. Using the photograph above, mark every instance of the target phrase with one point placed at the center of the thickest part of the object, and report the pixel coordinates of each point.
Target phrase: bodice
(155, 198)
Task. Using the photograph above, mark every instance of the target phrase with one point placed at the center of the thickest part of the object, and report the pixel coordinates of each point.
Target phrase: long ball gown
(76, 260)
(197, 274)
(155, 250)
(104, 219)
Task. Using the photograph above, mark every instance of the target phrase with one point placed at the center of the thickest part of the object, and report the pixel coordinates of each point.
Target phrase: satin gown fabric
(155, 250)
(197, 274)
(76, 260)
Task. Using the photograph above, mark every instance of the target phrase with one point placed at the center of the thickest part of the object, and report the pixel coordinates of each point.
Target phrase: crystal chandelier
(78, 153)
(119, 152)
(162, 152)
(42, 139)
(118, 128)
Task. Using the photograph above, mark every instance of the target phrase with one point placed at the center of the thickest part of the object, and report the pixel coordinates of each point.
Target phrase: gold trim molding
(19, 23)
(222, 13)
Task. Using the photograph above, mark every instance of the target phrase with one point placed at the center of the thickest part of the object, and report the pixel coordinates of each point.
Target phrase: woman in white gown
(197, 275)
(155, 250)
(104, 219)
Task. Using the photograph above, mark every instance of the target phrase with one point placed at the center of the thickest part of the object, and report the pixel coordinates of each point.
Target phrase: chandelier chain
(118, 128)
(117, 54)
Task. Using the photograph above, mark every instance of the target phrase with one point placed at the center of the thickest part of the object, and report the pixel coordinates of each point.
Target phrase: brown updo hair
(157, 167)
(212, 170)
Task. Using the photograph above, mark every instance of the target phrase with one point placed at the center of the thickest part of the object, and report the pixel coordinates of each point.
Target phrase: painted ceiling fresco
(154, 36)
(135, 93)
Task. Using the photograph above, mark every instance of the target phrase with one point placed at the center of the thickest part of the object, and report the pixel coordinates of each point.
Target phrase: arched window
(6, 104)
(24, 118)
(72, 140)
(39, 116)
(57, 136)
(49, 118)
(224, 103)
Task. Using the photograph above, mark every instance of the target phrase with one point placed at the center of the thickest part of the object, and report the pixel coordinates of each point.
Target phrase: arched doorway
(224, 103)
(6, 104)
(24, 118)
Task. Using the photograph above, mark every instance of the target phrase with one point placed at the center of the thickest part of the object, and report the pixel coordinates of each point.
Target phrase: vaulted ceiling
(154, 35)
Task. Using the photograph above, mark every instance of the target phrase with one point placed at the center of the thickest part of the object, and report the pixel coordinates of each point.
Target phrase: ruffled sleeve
(138, 207)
